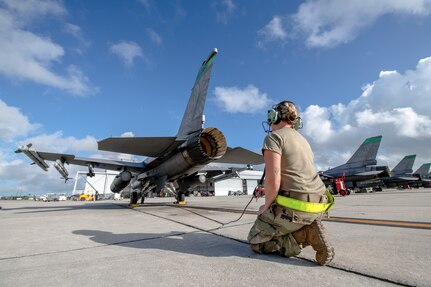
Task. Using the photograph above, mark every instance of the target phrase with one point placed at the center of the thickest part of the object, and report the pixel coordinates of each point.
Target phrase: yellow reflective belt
(305, 206)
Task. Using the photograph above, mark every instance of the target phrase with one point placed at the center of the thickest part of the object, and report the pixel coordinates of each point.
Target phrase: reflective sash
(305, 206)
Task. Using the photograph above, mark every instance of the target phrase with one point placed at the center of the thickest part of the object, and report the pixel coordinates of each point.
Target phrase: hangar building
(239, 183)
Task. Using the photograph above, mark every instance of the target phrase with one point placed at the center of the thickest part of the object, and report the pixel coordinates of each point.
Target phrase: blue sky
(74, 72)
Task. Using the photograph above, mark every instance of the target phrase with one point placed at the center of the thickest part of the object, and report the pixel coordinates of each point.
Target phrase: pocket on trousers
(301, 217)
(262, 230)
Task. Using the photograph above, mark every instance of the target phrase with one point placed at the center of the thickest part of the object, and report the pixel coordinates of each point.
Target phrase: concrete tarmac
(376, 236)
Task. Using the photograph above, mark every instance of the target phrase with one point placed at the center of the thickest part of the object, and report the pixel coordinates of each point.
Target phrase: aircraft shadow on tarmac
(197, 243)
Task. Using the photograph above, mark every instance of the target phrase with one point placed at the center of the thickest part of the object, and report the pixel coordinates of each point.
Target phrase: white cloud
(396, 106)
(146, 3)
(16, 171)
(13, 123)
(56, 142)
(25, 55)
(225, 9)
(328, 23)
(127, 51)
(273, 31)
(78, 34)
(127, 135)
(154, 37)
(247, 100)
(29, 9)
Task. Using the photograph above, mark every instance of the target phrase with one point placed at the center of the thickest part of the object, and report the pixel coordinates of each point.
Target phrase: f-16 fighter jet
(361, 166)
(177, 160)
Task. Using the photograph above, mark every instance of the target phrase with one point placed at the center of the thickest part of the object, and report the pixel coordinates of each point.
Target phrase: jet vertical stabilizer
(401, 174)
(366, 153)
(423, 170)
(405, 166)
(362, 166)
(193, 117)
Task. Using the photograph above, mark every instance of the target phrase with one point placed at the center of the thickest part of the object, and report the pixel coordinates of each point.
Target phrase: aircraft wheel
(181, 198)
(142, 199)
(342, 192)
(348, 192)
(133, 197)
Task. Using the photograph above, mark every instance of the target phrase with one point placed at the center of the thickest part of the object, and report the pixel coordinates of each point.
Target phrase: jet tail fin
(423, 169)
(405, 165)
(193, 117)
(366, 153)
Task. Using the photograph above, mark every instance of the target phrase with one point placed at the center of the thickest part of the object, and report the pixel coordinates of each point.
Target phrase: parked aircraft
(362, 166)
(401, 174)
(423, 174)
(178, 160)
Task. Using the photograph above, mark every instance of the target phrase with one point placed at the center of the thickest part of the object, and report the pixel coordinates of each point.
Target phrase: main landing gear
(134, 197)
(181, 198)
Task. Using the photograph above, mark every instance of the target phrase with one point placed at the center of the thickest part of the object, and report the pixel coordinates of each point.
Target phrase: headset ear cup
(273, 116)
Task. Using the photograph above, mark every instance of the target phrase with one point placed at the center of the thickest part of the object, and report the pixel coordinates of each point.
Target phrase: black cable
(253, 196)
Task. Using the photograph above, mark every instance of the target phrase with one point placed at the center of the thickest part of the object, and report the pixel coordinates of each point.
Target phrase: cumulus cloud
(16, 171)
(126, 51)
(328, 23)
(236, 100)
(13, 123)
(24, 55)
(17, 175)
(60, 144)
(396, 105)
(127, 135)
(273, 31)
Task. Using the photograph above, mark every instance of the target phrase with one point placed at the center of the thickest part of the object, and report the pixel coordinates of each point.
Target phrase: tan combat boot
(315, 236)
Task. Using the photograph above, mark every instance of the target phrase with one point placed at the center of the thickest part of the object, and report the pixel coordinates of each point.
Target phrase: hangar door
(224, 186)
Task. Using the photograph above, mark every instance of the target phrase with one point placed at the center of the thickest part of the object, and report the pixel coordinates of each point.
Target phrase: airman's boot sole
(315, 236)
(324, 250)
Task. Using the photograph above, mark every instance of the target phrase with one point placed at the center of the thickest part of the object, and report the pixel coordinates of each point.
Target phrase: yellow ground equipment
(85, 197)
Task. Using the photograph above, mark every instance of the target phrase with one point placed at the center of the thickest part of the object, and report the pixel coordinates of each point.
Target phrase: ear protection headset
(275, 115)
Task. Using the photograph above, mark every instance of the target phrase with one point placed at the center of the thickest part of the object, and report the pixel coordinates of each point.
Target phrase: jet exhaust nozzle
(208, 145)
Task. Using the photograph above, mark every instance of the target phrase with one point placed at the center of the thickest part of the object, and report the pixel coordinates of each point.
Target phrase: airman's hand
(260, 191)
(262, 209)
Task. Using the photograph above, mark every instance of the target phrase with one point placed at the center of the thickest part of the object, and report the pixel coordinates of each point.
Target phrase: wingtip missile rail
(34, 156)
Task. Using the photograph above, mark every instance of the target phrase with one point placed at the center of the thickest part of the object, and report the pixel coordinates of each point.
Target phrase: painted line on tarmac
(379, 222)
(212, 231)
(366, 221)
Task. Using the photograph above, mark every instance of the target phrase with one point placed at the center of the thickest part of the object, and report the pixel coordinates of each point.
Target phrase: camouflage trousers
(271, 232)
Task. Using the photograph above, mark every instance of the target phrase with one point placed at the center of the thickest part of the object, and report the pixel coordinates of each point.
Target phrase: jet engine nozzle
(208, 145)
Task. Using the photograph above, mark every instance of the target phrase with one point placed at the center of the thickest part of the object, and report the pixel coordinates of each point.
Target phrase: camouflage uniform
(271, 232)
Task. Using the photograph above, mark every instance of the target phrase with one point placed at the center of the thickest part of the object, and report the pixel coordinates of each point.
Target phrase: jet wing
(406, 178)
(366, 173)
(146, 146)
(240, 155)
(96, 163)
